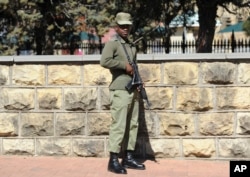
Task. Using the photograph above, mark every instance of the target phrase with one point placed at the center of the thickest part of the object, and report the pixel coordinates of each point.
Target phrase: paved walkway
(23, 166)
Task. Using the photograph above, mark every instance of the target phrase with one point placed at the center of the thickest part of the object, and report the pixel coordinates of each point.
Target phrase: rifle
(136, 82)
(145, 34)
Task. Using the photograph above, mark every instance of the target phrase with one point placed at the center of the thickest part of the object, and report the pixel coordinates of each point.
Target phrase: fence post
(233, 41)
(166, 43)
(183, 42)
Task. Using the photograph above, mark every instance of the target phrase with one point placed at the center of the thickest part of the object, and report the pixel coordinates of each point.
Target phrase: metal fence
(158, 47)
(219, 46)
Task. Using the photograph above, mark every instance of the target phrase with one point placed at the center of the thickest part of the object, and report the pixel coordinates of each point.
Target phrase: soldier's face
(123, 30)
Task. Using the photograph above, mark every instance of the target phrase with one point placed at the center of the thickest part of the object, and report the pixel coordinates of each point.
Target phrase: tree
(40, 24)
(207, 11)
(149, 14)
(182, 8)
(44, 23)
(164, 11)
(246, 26)
(16, 18)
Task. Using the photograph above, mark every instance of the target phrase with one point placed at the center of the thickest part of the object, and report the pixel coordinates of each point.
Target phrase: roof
(191, 21)
(236, 28)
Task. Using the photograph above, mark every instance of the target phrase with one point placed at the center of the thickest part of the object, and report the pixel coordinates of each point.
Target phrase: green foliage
(207, 11)
(246, 26)
(39, 24)
(4, 2)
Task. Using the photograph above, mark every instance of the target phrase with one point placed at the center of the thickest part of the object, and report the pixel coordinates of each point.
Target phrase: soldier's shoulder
(114, 38)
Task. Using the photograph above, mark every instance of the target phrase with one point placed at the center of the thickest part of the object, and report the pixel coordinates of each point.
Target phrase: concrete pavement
(40, 166)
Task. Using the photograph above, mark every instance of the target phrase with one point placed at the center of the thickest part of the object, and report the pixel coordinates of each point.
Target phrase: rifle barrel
(140, 38)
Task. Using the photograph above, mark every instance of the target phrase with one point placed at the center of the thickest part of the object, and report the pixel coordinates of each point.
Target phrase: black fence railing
(157, 47)
(219, 46)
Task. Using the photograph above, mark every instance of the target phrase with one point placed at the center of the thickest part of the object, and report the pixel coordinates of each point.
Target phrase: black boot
(129, 162)
(114, 165)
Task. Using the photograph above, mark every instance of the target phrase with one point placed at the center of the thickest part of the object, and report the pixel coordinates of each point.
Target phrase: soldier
(124, 104)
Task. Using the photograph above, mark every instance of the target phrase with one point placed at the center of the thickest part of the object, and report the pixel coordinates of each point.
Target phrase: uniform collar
(122, 40)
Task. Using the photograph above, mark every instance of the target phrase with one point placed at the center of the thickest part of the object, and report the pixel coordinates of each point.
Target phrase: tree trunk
(207, 20)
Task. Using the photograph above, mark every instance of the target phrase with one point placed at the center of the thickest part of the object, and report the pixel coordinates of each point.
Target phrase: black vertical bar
(233, 42)
(183, 43)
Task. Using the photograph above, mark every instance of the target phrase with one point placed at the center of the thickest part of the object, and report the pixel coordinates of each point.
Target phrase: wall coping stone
(141, 58)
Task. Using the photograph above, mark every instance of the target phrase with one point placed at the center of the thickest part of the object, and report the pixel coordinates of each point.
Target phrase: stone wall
(52, 106)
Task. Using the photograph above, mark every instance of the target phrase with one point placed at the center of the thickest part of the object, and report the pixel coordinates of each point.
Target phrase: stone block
(233, 98)
(194, 99)
(18, 98)
(176, 124)
(147, 124)
(181, 73)
(53, 146)
(37, 124)
(244, 73)
(243, 123)
(161, 98)
(88, 147)
(68, 124)
(216, 124)
(204, 148)
(18, 146)
(234, 148)
(218, 73)
(64, 75)
(8, 124)
(98, 123)
(80, 98)
(4, 75)
(163, 148)
(30, 75)
(150, 74)
(94, 74)
(104, 96)
(49, 98)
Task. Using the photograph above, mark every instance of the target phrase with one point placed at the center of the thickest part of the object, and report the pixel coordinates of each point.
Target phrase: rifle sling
(126, 52)
(136, 74)
(143, 91)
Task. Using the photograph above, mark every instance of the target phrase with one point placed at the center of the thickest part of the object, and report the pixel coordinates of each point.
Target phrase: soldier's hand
(129, 69)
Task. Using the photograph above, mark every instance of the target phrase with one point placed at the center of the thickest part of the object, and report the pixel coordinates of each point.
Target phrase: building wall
(59, 106)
